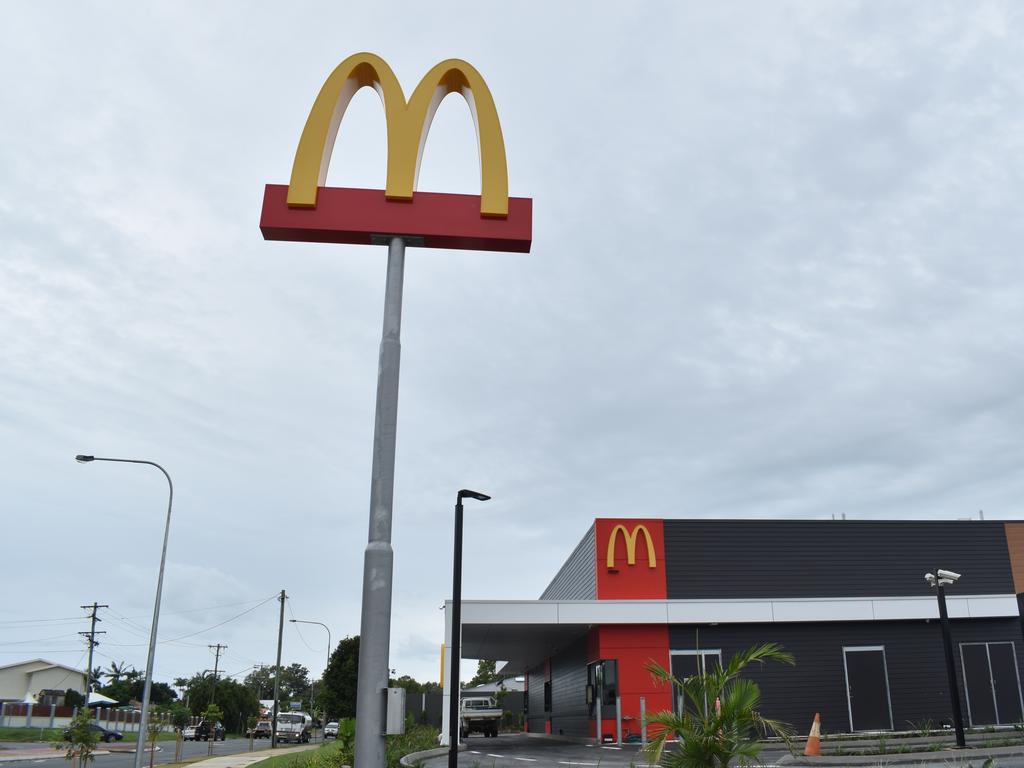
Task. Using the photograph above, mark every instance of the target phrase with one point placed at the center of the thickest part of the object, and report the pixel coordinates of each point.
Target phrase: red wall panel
(634, 646)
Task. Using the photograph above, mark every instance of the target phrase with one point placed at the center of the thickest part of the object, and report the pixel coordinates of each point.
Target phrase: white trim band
(822, 609)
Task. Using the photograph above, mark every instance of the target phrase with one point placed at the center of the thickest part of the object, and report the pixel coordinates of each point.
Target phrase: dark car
(105, 734)
(261, 731)
(203, 732)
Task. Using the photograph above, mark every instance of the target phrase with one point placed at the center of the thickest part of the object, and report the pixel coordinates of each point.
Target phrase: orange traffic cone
(813, 748)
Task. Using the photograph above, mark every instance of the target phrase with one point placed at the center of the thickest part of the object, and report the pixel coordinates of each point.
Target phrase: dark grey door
(867, 687)
(992, 684)
(978, 682)
(1005, 682)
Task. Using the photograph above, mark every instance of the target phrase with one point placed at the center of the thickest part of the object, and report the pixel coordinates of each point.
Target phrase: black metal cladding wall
(797, 558)
(569, 691)
(536, 717)
(913, 653)
(577, 578)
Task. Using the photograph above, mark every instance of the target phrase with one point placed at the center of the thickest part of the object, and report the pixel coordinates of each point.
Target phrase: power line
(201, 631)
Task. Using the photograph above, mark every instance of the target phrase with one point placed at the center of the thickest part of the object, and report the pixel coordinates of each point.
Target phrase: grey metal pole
(378, 561)
(643, 722)
(147, 688)
(618, 719)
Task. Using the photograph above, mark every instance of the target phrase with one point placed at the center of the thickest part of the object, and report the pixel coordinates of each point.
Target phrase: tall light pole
(939, 580)
(456, 649)
(147, 688)
(321, 624)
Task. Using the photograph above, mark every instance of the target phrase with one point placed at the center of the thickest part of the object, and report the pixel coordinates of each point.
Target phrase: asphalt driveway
(522, 751)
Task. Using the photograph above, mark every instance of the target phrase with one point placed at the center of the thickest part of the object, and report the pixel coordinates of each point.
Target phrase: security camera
(951, 575)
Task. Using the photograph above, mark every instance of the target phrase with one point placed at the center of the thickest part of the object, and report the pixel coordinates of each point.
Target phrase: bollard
(643, 722)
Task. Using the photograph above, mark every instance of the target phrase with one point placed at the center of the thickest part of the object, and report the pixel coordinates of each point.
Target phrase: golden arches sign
(631, 538)
(407, 127)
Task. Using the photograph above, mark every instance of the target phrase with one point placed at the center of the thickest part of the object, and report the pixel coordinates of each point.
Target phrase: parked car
(261, 731)
(331, 730)
(202, 731)
(106, 734)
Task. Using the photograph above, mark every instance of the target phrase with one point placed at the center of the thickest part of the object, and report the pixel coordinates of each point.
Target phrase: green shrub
(80, 740)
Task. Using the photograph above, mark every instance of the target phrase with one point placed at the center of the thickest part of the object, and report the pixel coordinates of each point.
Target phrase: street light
(940, 579)
(147, 688)
(456, 650)
(319, 623)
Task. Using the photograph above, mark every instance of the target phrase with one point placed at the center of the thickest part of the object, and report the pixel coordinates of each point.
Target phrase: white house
(24, 680)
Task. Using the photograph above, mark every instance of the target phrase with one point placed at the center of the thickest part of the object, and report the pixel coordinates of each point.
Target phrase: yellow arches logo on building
(407, 127)
(631, 538)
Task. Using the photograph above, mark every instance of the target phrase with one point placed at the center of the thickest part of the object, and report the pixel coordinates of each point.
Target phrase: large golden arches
(407, 125)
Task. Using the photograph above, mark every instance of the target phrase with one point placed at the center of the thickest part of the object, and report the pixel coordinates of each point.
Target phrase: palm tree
(720, 721)
(116, 672)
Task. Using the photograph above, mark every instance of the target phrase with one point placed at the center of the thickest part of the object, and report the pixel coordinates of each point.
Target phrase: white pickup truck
(481, 714)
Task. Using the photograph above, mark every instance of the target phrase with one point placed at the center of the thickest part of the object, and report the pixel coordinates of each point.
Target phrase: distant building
(29, 680)
(510, 684)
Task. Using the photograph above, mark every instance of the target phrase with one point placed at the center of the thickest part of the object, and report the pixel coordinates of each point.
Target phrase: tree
(236, 701)
(261, 681)
(485, 673)
(338, 689)
(128, 684)
(115, 672)
(80, 739)
(180, 716)
(720, 721)
(295, 683)
(73, 698)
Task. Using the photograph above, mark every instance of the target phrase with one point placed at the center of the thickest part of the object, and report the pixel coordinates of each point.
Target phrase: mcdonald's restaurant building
(847, 598)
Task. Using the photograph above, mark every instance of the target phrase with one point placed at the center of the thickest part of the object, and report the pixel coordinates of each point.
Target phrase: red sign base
(439, 220)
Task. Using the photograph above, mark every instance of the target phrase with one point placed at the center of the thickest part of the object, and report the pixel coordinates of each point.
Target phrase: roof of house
(40, 664)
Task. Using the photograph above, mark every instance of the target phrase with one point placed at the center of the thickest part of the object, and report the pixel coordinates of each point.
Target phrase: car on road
(261, 731)
(331, 730)
(105, 734)
(202, 731)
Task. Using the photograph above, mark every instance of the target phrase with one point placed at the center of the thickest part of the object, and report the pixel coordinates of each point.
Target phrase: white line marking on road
(570, 762)
(611, 748)
(473, 752)
(526, 759)
(490, 755)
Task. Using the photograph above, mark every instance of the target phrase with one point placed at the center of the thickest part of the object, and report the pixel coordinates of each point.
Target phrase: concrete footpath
(237, 760)
(242, 759)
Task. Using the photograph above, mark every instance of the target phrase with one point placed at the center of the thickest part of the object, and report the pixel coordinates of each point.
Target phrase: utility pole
(216, 662)
(92, 644)
(277, 673)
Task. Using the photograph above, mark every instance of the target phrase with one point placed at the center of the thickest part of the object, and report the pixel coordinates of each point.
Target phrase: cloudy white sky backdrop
(777, 272)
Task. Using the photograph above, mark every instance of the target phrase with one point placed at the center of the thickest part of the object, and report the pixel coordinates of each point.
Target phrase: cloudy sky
(777, 272)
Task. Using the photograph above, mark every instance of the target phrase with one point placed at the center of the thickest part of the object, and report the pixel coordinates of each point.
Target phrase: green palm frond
(720, 722)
